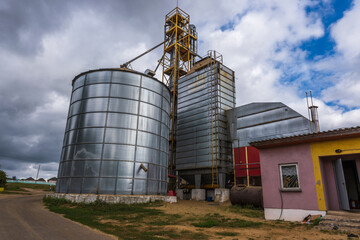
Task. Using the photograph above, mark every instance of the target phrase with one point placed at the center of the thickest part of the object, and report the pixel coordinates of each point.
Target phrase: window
(289, 177)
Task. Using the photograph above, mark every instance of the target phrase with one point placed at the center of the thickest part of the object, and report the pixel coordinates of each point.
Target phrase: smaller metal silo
(203, 150)
(117, 133)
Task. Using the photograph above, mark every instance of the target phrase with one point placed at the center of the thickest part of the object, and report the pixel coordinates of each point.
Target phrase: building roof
(256, 107)
(115, 69)
(260, 121)
(335, 134)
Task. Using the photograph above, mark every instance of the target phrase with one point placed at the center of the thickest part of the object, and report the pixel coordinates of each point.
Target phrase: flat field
(25, 188)
(184, 220)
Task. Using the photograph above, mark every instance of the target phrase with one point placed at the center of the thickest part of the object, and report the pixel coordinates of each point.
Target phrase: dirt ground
(23, 216)
(269, 229)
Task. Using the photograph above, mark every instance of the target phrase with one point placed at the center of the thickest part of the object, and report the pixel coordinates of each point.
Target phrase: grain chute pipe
(128, 62)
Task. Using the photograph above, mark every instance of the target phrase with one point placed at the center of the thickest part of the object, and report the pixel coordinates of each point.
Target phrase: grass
(193, 235)
(145, 221)
(247, 211)
(333, 232)
(292, 225)
(316, 222)
(227, 234)
(149, 221)
(136, 221)
(170, 220)
(217, 220)
(19, 188)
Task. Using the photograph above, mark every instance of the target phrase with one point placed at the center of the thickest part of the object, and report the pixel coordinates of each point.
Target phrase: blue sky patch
(231, 23)
(344, 108)
(330, 14)
(228, 26)
(316, 49)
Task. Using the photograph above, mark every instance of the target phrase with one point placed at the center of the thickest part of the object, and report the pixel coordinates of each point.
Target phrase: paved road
(24, 217)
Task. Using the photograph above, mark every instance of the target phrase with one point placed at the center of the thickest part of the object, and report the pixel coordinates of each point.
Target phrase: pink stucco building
(310, 174)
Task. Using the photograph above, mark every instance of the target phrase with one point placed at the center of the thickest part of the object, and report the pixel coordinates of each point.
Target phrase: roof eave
(309, 138)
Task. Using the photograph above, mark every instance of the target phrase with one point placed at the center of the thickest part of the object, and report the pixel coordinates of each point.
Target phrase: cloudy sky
(278, 48)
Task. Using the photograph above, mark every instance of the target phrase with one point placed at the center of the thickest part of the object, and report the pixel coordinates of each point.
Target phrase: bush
(51, 201)
(2, 179)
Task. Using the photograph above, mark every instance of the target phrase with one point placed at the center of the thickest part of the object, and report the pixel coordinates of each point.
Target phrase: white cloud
(335, 117)
(346, 62)
(263, 47)
(345, 91)
(264, 37)
(25, 170)
(347, 34)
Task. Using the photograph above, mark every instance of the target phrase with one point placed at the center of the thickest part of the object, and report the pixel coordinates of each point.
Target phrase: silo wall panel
(116, 137)
(194, 141)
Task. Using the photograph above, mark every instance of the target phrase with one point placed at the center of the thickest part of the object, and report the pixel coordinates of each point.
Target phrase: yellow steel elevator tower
(180, 50)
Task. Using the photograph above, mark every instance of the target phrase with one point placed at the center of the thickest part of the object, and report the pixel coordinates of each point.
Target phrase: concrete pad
(294, 215)
(126, 199)
(198, 194)
(222, 194)
(180, 194)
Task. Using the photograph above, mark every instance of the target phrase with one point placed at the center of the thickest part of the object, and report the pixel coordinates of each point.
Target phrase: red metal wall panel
(253, 160)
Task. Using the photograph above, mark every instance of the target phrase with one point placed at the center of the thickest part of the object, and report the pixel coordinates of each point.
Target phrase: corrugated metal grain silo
(203, 150)
(117, 133)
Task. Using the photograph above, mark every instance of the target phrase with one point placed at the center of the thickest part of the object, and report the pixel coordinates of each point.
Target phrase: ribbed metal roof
(260, 121)
(311, 137)
(115, 69)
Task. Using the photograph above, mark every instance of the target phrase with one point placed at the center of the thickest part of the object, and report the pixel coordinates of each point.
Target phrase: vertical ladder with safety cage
(214, 118)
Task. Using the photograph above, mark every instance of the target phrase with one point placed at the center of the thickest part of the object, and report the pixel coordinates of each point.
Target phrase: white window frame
(281, 177)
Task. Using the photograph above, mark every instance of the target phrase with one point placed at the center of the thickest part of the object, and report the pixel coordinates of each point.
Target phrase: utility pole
(37, 175)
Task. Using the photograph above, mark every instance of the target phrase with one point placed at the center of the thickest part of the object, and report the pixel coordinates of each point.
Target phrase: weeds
(146, 221)
(55, 202)
(227, 234)
(316, 222)
(247, 211)
(333, 232)
(216, 220)
(136, 221)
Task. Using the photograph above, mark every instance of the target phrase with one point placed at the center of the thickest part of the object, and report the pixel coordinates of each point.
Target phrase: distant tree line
(2, 179)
